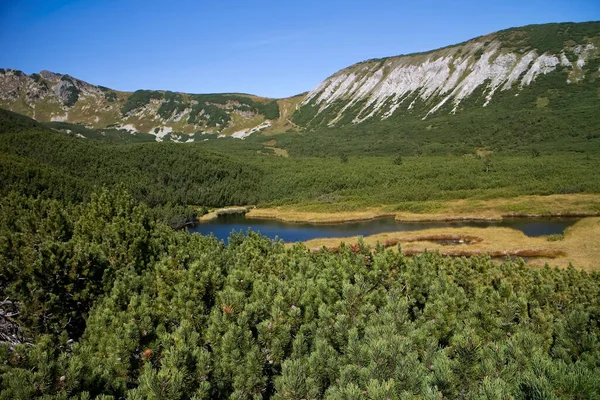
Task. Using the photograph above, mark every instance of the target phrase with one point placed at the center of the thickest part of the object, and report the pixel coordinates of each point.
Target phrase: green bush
(139, 99)
(115, 304)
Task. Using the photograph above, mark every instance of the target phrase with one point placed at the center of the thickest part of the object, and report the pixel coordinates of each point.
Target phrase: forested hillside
(40, 162)
(37, 161)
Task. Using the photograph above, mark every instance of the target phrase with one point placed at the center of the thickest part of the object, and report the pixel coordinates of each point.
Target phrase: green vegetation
(111, 304)
(550, 115)
(548, 37)
(109, 95)
(270, 110)
(226, 172)
(172, 104)
(113, 135)
(36, 161)
(210, 110)
(140, 98)
(555, 237)
(562, 102)
(211, 114)
(101, 298)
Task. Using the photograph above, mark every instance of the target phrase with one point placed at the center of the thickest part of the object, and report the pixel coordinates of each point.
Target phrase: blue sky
(269, 48)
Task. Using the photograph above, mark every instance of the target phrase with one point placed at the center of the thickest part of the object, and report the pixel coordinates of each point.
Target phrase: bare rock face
(10, 84)
(37, 89)
(34, 93)
(382, 88)
(442, 79)
(67, 92)
(51, 76)
(49, 96)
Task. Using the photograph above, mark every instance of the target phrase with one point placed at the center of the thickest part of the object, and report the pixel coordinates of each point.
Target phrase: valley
(423, 226)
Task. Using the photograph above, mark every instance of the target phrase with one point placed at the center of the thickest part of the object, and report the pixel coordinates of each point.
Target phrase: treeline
(36, 161)
(106, 303)
(41, 162)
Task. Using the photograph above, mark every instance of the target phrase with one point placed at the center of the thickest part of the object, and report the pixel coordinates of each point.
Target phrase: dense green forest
(37, 161)
(105, 295)
(101, 301)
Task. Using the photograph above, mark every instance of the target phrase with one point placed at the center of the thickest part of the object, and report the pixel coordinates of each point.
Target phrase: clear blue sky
(269, 48)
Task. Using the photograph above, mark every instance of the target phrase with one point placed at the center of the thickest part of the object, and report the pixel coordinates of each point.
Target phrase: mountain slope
(455, 78)
(538, 69)
(48, 96)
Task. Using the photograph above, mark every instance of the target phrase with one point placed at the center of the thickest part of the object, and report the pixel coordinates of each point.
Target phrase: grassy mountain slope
(537, 78)
(165, 115)
(480, 73)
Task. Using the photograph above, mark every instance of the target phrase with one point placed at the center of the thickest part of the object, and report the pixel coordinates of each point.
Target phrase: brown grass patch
(279, 152)
(580, 247)
(459, 239)
(524, 253)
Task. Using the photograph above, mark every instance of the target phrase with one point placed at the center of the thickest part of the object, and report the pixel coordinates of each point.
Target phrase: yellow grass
(286, 109)
(221, 211)
(270, 145)
(493, 209)
(278, 152)
(580, 247)
(290, 215)
(528, 206)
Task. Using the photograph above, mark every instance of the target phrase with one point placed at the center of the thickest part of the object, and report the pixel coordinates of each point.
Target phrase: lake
(222, 226)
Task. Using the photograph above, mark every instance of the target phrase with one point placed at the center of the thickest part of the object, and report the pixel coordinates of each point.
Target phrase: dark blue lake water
(222, 226)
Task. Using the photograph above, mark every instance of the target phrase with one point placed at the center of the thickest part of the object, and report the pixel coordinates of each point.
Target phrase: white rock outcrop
(445, 76)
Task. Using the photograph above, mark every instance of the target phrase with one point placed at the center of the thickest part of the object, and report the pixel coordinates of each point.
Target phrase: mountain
(538, 69)
(52, 97)
(456, 78)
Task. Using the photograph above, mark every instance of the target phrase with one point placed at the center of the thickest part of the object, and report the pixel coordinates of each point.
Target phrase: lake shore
(578, 246)
(567, 205)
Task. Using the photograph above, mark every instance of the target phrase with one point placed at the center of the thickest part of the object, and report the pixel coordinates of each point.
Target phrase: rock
(66, 92)
(49, 75)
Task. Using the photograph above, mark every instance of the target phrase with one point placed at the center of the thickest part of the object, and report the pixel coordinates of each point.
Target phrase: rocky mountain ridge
(439, 81)
(52, 97)
(534, 62)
